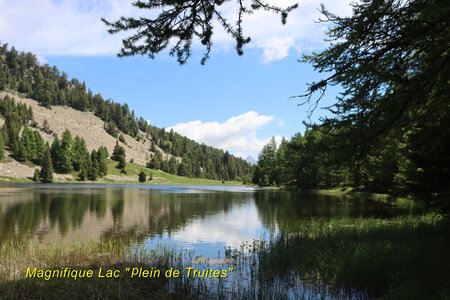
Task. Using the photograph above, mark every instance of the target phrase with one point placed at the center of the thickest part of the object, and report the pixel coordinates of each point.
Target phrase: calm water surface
(206, 219)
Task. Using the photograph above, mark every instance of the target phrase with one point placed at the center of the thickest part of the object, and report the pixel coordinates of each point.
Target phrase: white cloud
(231, 228)
(276, 48)
(61, 27)
(58, 27)
(238, 134)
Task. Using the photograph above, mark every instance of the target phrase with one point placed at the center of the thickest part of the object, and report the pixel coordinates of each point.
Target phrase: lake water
(364, 250)
(206, 219)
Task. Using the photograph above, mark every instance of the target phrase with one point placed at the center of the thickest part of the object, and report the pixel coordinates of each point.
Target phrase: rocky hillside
(84, 124)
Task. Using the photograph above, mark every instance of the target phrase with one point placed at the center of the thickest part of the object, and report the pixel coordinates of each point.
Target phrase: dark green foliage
(46, 174)
(118, 151)
(65, 156)
(203, 161)
(2, 146)
(119, 156)
(185, 168)
(46, 127)
(40, 147)
(156, 161)
(16, 116)
(258, 176)
(142, 176)
(93, 166)
(172, 165)
(65, 152)
(102, 156)
(21, 113)
(36, 175)
(22, 154)
(122, 139)
(152, 147)
(268, 164)
(28, 146)
(121, 164)
(84, 167)
(111, 129)
(12, 129)
(36, 145)
(184, 21)
(79, 153)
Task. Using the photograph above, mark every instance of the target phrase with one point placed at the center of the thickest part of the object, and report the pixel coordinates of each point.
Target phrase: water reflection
(285, 209)
(202, 218)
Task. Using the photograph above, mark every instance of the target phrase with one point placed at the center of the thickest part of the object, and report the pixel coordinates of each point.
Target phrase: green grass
(404, 257)
(13, 179)
(406, 203)
(400, 258)
(132, 169)
(81, 255)
(160, 177)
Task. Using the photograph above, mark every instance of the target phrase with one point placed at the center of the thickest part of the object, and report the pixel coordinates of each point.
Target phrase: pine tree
(36, 175)
(22, 154)
(55, 151)
(46, 127)
(83, 174)
(40, 148)
(12, 131)
(122, 164)
(119, 156)
(79, 153)
(142, 176)
(118, 151)
(173, 166)
(64, 163)
(267, 160)
(2, 146)
(46, 174)
(93, 167)
(102, 156)
(156, 161)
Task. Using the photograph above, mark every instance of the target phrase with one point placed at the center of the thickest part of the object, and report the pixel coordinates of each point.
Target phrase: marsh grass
(403, 257)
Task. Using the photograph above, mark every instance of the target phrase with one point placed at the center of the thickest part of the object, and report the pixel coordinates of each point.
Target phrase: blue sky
(233, 102)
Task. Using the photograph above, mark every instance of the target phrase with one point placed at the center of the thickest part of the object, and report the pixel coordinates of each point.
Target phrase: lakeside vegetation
(404, 256)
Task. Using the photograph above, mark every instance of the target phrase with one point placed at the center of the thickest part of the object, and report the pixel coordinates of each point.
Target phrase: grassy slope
(160, 177)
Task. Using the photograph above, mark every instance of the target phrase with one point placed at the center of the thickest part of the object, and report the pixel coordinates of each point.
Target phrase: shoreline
(189, 181)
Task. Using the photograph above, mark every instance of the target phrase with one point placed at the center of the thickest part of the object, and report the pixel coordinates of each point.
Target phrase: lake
(206, 219)
(315, 245)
